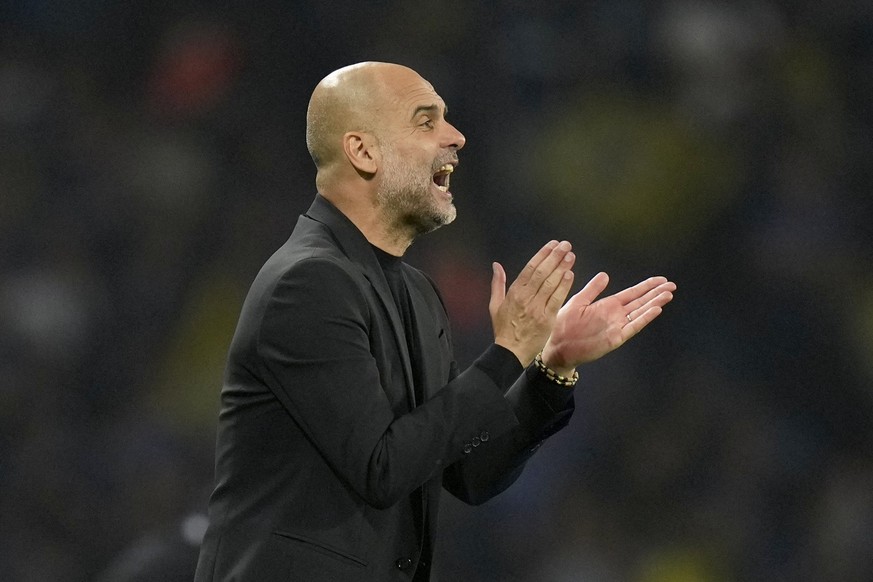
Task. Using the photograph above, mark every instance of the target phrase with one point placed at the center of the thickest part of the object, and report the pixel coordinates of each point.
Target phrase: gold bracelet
(554, 376)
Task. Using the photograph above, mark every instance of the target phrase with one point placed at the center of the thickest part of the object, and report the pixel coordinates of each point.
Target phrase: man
(343, 411)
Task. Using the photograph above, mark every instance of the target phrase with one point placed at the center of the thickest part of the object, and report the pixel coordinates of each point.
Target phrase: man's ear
(362, 151)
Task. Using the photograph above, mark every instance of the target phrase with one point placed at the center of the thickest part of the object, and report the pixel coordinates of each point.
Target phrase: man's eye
(428, 123)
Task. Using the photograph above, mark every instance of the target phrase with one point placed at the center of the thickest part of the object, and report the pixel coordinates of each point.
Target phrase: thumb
(498, 288)
(592, 289)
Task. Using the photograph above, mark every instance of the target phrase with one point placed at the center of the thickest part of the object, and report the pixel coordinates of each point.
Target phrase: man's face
(419, 152)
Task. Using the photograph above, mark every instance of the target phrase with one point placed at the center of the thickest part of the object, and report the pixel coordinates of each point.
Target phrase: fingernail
(564, 246)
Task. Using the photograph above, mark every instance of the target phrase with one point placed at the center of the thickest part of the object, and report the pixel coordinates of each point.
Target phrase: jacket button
(484, 436)
(467, 447)
(403, 563)
(477, 441)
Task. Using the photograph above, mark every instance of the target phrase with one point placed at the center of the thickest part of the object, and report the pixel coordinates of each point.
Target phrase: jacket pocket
(322, 548)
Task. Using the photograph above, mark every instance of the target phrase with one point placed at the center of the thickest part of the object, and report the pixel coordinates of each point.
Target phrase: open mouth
(441, 177)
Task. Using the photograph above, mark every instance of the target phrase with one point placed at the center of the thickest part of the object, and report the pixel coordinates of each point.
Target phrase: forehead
(409, 91)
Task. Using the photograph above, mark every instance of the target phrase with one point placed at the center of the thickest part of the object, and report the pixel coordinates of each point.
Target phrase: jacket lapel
(353, 243)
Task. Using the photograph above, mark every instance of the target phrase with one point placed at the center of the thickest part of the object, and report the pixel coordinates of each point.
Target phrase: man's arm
(584, 330)
(542, 409)
(315, 354)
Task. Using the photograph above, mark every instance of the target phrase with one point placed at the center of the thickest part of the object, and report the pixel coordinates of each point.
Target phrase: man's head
(378, 135)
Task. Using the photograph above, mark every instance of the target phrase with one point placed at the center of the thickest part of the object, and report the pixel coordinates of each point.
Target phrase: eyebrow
(433, 108)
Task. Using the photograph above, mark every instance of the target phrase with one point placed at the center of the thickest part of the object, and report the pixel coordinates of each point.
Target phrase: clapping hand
(524, 316)
(587, 328)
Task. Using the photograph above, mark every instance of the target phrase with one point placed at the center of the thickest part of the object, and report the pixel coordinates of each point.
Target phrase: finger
(498, 288)
(557, 298)
(557, 285)
(636, 325)
(552, 263)
(640, 289)
(657, 302)
(591, 290)
(644, 302)
(531, 266)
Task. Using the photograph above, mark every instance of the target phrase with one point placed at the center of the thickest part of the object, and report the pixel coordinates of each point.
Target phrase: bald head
(353, 98)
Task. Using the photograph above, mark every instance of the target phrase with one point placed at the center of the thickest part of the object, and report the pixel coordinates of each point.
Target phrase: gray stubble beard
(406, 198)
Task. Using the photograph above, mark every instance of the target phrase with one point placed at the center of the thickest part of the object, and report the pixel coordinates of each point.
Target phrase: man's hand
(523, 317)
(586, 329)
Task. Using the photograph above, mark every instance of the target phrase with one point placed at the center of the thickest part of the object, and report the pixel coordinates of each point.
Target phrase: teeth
(445, 169)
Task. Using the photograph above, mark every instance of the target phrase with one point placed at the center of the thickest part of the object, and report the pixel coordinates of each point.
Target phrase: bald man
(344, 413)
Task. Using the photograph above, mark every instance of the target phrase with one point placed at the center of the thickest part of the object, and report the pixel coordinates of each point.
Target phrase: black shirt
(392, 267)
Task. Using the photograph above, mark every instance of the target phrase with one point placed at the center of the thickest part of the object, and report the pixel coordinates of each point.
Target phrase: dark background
(152, 156)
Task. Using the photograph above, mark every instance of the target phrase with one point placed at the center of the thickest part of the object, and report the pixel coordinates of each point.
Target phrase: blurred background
(152, 156)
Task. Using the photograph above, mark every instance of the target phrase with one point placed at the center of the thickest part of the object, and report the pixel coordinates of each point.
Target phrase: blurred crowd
(152, 156)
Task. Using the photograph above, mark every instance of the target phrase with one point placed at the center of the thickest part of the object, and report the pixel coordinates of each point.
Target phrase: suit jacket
(326, 467)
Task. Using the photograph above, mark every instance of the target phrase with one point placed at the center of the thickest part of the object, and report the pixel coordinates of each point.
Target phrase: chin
(433, 221)
(446, 215)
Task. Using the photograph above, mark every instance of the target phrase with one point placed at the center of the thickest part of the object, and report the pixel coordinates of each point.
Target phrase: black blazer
(325, 464)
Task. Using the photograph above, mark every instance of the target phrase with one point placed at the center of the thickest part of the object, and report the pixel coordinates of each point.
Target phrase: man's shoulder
(311, 258)
(304, 276)
(304, 259)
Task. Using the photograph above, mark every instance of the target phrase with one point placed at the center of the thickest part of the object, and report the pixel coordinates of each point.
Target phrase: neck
(369, 218)
(390, 238)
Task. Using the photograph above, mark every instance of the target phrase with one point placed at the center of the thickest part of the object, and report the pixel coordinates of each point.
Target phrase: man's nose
(454, 138)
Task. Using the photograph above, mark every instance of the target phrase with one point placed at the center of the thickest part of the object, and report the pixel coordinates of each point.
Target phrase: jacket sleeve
(313, 351)
(542, 409)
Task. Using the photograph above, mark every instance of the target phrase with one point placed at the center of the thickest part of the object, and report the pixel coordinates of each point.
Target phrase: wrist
(524, 358)
(564, 378)
(551, 360)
